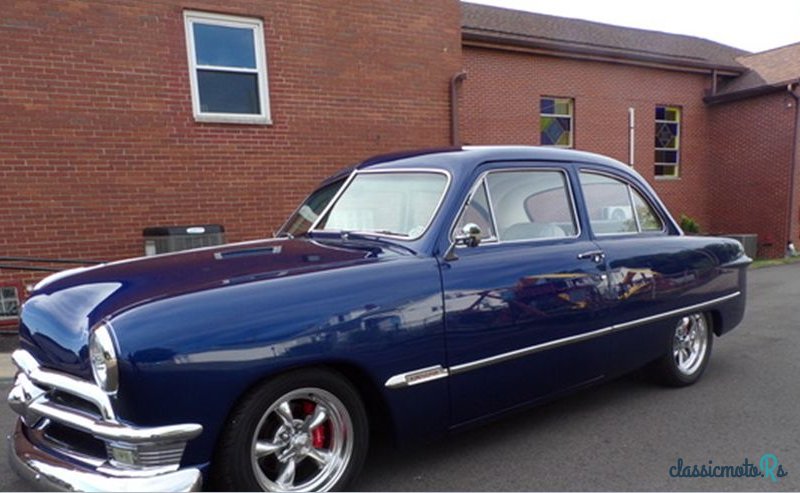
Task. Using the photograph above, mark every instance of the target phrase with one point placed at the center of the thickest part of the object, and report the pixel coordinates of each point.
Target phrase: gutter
(477, 36)
(744, 94)
(455, 81)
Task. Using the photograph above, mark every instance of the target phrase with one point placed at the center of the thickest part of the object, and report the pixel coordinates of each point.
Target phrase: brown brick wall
(751, 157)
(501, 106)
(97, 139)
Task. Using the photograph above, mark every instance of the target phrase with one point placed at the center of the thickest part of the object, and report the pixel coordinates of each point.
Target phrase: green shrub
(689, 225)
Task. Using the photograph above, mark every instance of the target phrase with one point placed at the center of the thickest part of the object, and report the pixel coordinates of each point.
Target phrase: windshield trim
(327, 182)
(357, 172)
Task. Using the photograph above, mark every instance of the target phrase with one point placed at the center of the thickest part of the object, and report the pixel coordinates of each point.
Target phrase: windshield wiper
(376, 236)
(378, 233)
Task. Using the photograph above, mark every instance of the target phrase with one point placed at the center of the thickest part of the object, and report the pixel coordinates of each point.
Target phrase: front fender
(191, 357)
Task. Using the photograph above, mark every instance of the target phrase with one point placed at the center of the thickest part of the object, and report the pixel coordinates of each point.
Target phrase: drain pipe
(631, 135)
(455, 80)
(793, 91)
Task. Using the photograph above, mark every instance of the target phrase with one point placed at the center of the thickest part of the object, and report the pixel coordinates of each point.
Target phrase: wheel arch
(714, 317)
(381, 421)
(379, 416)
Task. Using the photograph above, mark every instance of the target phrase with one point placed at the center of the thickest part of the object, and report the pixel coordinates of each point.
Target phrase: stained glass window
(667, 141)
(555, 121)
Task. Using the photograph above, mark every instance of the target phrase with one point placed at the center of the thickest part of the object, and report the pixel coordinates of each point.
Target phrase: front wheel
(689, 352)
(303, 431)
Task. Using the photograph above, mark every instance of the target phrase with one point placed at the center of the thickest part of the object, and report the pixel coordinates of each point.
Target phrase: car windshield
(398, 204)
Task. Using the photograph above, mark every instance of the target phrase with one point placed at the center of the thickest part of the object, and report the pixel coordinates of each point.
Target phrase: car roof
(462, 163)
(459, 160)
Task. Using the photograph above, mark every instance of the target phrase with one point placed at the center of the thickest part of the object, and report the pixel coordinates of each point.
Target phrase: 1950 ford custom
(415, 293)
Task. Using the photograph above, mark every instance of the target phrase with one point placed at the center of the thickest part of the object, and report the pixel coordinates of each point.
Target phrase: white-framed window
(9, 302)
(227, 68)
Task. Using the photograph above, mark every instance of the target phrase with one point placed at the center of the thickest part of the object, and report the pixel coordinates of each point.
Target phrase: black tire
(245, 459)
(676, 370)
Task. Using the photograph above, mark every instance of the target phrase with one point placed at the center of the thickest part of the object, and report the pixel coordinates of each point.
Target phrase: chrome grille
(73, 416)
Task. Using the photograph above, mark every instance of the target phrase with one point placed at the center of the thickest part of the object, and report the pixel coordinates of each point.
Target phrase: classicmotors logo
(769, 467)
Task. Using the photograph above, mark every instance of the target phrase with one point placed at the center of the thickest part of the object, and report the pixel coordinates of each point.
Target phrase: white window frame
(3, 299)
(191, 17)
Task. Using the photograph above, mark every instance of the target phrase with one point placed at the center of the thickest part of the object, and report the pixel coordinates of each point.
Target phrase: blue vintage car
(414, 293)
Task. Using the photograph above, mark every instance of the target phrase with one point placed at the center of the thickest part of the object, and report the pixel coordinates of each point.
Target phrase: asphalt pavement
(628, 434)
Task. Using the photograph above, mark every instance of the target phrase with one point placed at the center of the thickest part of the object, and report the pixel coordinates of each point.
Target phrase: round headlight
(103, 358)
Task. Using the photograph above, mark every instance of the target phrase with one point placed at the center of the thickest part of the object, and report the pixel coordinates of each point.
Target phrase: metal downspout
(793, 91)
(455, 138)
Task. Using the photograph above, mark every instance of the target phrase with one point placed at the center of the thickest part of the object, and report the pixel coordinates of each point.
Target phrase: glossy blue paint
(196, 330)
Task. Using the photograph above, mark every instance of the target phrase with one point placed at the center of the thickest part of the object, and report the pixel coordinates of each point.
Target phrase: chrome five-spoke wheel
(690, 343)
(302, 442)
(301, 431)
(689, 349)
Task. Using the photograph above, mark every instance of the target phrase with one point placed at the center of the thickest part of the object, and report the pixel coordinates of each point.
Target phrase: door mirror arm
(470, 237)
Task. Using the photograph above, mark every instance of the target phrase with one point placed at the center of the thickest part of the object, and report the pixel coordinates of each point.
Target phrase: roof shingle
(480, 22)
(768, 69)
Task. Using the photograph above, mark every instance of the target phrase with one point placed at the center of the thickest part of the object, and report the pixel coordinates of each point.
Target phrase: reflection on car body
(415, 293)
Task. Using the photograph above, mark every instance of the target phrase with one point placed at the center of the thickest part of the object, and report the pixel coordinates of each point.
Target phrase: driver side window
(517, 205)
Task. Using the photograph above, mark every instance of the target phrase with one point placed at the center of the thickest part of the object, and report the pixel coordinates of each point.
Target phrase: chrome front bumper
(131, 458)
(47, 472)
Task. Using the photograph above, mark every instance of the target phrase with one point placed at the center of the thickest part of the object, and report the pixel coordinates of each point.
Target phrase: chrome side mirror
(470, 236)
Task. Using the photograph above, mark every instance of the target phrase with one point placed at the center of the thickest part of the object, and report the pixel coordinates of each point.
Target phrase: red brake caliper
(319, 435)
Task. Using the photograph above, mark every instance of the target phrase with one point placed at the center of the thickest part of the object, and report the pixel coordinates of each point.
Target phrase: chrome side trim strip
(436, 372)
(679, 311)
(473, 365)
(417, 377)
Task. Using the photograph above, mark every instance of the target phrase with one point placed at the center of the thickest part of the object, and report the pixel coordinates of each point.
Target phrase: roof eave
(554, 48)
(750, 92)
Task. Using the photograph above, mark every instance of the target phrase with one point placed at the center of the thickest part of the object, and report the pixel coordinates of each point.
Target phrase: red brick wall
(97, 139)
(501, 106)
(751, 156)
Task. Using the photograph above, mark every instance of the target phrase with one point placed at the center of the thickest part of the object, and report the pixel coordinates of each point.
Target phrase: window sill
(667, 178)
(234, 119)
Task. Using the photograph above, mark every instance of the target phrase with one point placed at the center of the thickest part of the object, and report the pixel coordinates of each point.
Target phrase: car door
(651, 271)
(518, 304)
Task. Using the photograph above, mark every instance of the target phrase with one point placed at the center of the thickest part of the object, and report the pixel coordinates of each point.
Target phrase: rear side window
(614, 207)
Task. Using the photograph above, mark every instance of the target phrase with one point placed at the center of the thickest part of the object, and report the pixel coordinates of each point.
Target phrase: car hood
(56, 319)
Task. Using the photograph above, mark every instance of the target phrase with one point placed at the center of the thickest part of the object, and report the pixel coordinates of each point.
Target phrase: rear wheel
(303, 431)
(689, 352)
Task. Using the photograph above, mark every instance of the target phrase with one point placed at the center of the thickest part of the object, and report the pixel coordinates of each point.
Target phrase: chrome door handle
(595, 256)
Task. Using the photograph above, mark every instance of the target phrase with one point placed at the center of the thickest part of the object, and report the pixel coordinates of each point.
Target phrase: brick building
(103, 132)
(713, 128)
(120, 115)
